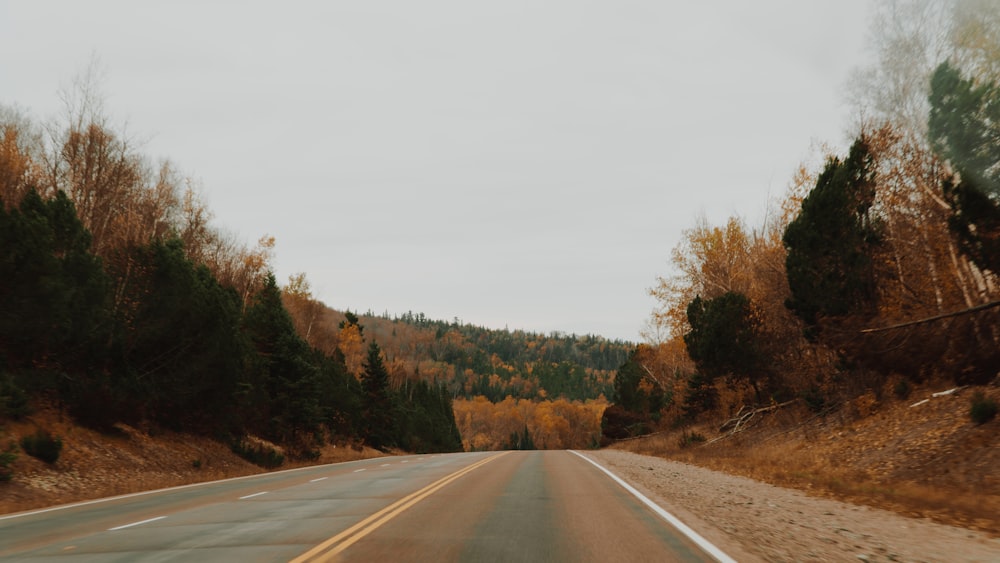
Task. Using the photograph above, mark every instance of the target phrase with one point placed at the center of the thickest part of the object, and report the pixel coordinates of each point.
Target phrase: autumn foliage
(878, 265)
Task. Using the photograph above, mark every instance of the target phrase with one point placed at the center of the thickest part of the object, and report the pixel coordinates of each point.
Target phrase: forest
(876, 270)
(122, 301)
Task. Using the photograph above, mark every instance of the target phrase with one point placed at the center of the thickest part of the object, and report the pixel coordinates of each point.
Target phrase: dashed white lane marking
(386, 464)
(136, 523)
(254, 495)
(359, 470)
(317, 479)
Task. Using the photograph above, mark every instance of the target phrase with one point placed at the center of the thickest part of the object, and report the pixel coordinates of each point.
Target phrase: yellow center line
(343, 540)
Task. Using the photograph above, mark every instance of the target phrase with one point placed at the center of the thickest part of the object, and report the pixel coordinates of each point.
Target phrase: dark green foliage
(181, 351)
(964, 126)
(629, 393)
(982, 408)
(425, 419)
(975, 220)
(54, 295)
(567, 379)
(723, 337)
(258, 454)
(285, 386)
(43, 446)
(379, 413)
(564, 365)
(339, 395)
(830, 243)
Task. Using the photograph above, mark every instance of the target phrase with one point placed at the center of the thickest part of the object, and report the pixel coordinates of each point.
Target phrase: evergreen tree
(830, 242)
(723, 339)
(379, 416)
(339, 395)
(964, 128)
(287, 384)
(179, 353)
(54, 292)
(630, 394)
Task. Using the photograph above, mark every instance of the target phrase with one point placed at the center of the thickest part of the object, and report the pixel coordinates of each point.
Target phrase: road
(492, 506)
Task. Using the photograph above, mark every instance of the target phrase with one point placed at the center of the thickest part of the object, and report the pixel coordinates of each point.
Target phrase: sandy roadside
(757, 521)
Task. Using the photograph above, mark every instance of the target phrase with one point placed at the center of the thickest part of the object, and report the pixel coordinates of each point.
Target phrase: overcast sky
(509, 163)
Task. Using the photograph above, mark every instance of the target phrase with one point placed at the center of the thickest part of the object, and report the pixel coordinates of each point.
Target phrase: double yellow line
(338, 543)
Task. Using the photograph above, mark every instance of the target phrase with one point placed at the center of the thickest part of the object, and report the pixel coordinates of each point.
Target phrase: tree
(710, 261)
(379, 412)
(964, 126)
(54, 292)
(830, 243)
(634, 388)
(287, 384)
(180, 344)
(723, 340)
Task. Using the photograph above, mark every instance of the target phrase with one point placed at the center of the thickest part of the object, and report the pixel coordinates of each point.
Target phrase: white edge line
(253, 495)
(136, 523)
(704, 544)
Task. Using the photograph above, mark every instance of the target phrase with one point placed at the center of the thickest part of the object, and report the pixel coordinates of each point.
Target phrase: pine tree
(379, 420)
(830, 242)
(964, 126)
(290, 382)
(723, 340)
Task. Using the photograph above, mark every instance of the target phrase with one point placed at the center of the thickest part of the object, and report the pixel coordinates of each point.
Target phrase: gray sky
(520, 164)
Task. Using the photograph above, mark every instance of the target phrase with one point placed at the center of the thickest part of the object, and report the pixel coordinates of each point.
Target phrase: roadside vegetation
(871, 282)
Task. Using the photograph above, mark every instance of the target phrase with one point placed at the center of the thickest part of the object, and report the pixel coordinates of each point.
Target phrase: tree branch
(975, 309)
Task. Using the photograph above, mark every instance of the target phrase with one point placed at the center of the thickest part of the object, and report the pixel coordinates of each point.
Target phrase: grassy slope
(927, 461)
(95, 465)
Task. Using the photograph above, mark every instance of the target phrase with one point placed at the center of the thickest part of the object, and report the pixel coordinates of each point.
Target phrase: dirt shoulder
(881, 477)
(754, 520)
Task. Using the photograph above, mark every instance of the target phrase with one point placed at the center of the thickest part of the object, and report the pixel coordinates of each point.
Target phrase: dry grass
(95, 465)
(929, 461)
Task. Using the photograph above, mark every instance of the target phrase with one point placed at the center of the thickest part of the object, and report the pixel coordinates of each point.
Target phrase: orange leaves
(554, 424)
(352, 345)
(14, 167)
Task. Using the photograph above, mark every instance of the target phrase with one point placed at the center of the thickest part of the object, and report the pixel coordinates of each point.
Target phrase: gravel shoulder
(754, 521)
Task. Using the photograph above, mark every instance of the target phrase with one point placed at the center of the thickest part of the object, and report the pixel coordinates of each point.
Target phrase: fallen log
(743, 418)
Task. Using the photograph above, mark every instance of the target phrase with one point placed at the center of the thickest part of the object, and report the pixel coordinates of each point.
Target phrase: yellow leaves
(552, 424)
(14, 167)
(352, 345)
(298, 286)
(710, 261)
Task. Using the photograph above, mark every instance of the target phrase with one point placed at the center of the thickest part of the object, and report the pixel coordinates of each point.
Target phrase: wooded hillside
(877, 270)
(120, 302)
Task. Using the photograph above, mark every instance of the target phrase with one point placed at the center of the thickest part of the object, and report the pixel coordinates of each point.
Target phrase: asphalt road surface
(546, 506)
